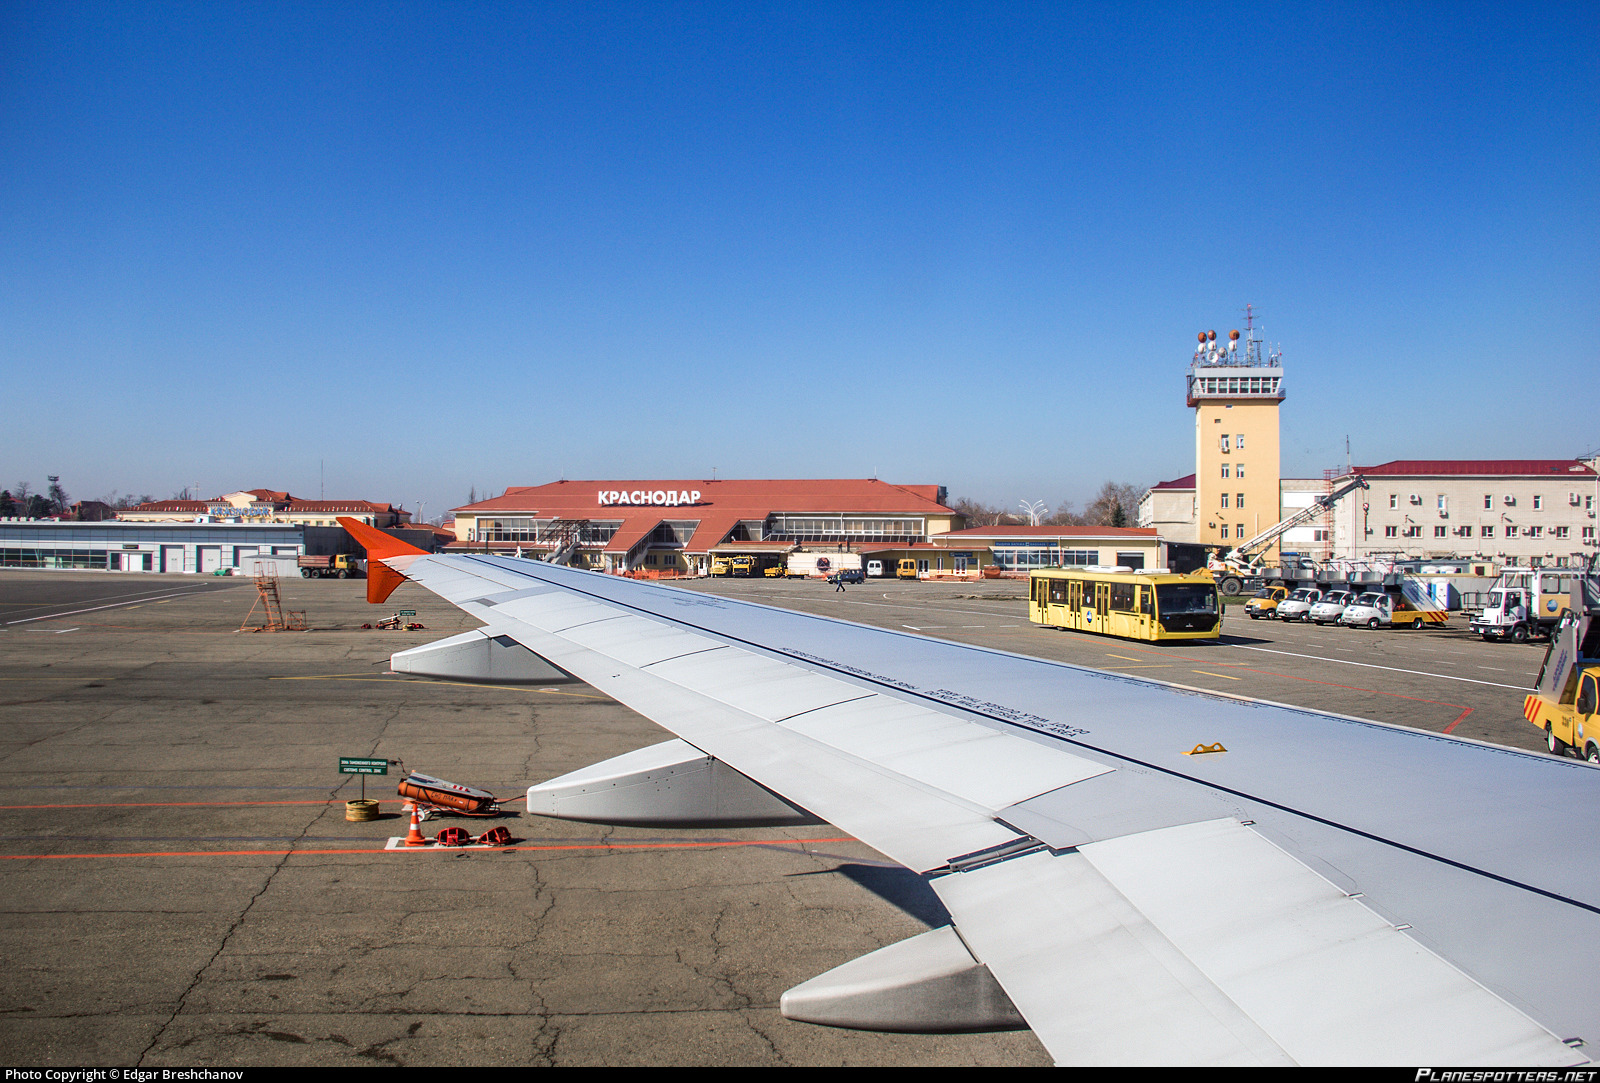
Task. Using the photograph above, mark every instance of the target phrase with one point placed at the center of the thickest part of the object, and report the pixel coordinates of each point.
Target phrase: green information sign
(349, 765)
(407, 613)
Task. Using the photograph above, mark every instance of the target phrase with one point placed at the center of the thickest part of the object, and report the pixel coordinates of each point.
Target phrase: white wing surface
(1328, 891)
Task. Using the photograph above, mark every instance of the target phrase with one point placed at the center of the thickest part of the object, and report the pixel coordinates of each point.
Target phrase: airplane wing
(1142, 873)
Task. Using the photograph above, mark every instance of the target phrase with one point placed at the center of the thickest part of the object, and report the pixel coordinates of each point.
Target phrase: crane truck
(1245, 565)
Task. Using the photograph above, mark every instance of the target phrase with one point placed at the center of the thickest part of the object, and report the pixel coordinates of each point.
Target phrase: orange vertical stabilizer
(381, 579)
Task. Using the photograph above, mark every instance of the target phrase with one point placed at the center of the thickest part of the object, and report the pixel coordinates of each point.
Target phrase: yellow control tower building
(1235, 390)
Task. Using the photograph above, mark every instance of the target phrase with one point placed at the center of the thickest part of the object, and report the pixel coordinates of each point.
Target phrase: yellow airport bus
(1153, 606)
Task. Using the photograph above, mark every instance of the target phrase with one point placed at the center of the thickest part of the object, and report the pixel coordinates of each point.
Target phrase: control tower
(1235, 389)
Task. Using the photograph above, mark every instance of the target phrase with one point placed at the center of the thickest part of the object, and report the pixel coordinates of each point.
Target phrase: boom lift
(1244, 561)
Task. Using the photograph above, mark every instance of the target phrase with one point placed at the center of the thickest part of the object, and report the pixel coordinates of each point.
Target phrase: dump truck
(1565, 701)
(339, 566)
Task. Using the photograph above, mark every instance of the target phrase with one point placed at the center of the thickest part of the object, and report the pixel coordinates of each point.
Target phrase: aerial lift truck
(1245, 565)
(1565, 701)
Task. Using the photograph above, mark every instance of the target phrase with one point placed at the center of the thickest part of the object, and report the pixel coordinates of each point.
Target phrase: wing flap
(1205, 943)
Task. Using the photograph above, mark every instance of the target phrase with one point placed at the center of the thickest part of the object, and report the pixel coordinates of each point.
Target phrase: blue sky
(433, 246)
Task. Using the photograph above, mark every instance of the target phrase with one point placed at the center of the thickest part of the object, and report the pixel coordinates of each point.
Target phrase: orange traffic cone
(414, 837)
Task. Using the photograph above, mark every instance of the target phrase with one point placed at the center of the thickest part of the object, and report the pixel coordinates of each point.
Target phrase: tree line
(23, 501)
(1117, 504)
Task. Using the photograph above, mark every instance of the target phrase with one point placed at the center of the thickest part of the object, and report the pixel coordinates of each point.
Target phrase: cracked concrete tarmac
(181, 888)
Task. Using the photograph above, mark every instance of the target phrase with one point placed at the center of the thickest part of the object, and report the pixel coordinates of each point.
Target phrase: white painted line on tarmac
(1391, 669)
(93, 608)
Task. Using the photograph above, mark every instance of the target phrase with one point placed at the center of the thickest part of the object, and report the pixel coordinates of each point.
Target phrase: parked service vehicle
(851, 575)
(1378, 610)
(875, 569)
(907, 569)
(342, 566)
(1526, 602)
(1331, 607)
(1297, 606)
(1373, 609)
(1266, 602)
(1565, 701)
(805, 565)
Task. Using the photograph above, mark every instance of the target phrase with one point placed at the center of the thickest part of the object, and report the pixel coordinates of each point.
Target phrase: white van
(1298, 604)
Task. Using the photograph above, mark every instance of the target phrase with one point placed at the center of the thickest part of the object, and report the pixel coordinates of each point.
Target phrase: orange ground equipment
(435, 797)
(454, 836)
(414, 837)
(495, 836)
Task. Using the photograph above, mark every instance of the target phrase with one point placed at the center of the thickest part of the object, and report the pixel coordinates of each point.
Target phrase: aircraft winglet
(381, 579)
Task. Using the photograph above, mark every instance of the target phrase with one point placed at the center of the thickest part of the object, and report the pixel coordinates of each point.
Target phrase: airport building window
(676, 533)
(1538, 503)
(1224, 469)
(1439, 531)
(823, 528)
(1224, 530)
(1224, 499)
(1488, 532)
(1488, 502)
(1240, 502)
(1390, 531)
(54, 558)
(1394, 500)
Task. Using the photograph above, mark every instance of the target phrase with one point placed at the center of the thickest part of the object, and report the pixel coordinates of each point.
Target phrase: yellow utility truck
(1565, 701)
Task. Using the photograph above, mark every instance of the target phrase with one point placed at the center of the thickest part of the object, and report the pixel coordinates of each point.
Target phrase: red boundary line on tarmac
(418, 849)
(213, 804)
(178, 804)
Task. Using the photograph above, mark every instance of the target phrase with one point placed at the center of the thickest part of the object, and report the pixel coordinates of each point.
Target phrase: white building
(1523, 511)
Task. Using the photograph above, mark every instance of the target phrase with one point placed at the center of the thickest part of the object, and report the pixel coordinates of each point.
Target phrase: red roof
(753, 499)
(191, 507)
(716, 506)
(328, 507)
(1051, 532)
(1528, 468)
(1185, 482)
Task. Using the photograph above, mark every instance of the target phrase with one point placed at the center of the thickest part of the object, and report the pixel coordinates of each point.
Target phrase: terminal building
(1023, 548)
(206, 537)
(676, 526)
(204, 548)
